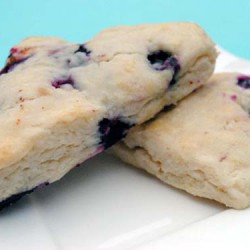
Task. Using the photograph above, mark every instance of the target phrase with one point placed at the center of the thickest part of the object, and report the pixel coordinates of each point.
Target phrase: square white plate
(106, 204)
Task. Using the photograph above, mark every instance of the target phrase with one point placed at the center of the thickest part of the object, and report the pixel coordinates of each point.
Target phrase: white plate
(106, 204)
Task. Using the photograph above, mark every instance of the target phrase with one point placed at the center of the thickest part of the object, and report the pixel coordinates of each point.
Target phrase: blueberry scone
(202, 145)
(62, 103)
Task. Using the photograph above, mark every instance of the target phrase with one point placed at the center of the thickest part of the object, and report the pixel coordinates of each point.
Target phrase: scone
(202, 145)
(62, 103)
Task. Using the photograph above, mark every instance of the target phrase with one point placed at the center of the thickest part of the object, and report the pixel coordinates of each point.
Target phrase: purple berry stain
(42, 185)
(11, 64)
(16, 57)
(112, 130)
(233, 97)
(98, 150)
(162, 60)
(16, 197)
(244, 82)
(59, 82)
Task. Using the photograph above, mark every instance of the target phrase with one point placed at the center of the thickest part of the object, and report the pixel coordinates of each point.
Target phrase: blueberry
(111, 131)
(157, 59)
(59, 82)
(83, 49)
(244, 82)
(169, 107)
(11, 64)
(162, 60)
(14, 198)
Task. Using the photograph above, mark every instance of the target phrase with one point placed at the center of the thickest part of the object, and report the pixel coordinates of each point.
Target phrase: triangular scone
(62, 103)
(202, 145)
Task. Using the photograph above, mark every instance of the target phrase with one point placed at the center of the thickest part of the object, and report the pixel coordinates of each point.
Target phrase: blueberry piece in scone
(69, 102)
(162, 60)
(14, 198)
(244, 82)
(12, 63)
(112, 131)
(82, 49)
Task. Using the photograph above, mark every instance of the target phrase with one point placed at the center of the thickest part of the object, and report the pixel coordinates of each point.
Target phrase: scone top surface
(48, 81)
(62, 103)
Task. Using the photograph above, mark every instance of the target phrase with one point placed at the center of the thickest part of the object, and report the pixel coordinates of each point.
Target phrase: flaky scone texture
(202, 145)
(61, 103)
